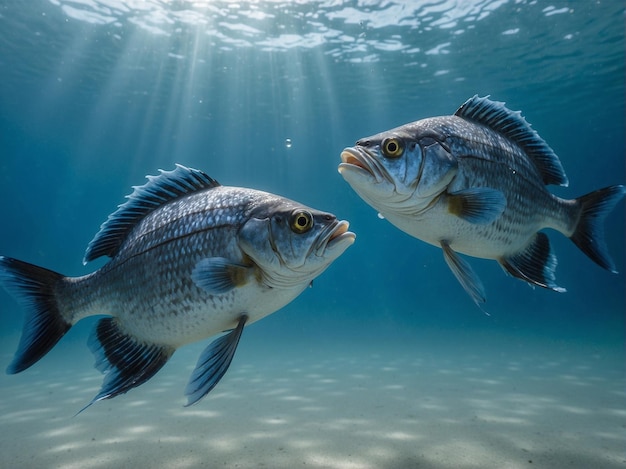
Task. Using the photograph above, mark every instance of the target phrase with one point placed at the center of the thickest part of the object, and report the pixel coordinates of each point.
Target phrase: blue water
(96, 94)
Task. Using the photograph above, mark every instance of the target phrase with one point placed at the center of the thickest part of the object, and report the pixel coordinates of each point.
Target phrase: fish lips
(359, 163)
(334, 240)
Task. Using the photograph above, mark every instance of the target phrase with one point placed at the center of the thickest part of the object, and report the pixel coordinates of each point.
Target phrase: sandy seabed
(482, 403)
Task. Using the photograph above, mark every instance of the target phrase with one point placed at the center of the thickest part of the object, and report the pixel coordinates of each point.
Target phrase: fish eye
(301, 221)
(392, 147)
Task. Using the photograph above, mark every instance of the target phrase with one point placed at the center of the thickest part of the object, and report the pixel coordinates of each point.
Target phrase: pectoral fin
(464, 274)
(479, 205)
(219, 275)
(213, 364)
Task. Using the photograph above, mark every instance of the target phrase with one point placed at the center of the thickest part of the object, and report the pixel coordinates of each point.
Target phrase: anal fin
(536, 264)
(213, 363)
(464, 274)
(125, 361)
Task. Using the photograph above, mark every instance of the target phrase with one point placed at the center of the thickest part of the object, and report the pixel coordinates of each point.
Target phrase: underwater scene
(304, 280)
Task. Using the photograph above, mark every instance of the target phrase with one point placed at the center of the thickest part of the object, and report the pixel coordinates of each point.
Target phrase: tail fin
(589, 233)
(43, 326)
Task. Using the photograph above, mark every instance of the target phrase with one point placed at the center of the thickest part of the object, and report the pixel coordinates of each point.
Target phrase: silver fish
(475, 183)
(189, 259)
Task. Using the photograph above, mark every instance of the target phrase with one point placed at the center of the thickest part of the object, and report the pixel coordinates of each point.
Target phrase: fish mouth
(334, 239)
(361, 161)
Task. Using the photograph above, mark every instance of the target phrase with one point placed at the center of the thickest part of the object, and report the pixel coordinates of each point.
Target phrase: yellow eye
(392, 147)
(301, 221)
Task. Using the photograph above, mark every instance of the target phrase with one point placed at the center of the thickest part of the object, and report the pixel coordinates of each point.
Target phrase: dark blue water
(96, 94)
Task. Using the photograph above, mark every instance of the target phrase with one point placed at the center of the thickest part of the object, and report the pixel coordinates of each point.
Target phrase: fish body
(189, 259)
(475, 183)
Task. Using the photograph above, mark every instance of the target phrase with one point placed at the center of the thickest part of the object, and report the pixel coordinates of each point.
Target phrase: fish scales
(153, 272)
(487, 159)
(187, 217)
(467, 139)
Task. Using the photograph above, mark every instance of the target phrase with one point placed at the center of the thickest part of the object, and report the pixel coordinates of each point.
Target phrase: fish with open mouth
(475, 183)
(190, 259)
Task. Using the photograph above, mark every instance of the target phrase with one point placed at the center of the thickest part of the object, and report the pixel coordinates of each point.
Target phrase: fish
(475, 183)
(188, 259)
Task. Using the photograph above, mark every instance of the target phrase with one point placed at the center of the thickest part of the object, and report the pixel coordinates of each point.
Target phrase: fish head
(401, 170)
(291, 243)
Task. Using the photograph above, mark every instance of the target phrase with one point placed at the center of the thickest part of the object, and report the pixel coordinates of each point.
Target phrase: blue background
(95, 95)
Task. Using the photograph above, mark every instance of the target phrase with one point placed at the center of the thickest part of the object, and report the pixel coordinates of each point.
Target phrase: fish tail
(589, 232)
(44, 324)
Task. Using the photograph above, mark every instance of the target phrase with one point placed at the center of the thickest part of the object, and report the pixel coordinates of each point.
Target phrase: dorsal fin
(512, 125)
(159, 190)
